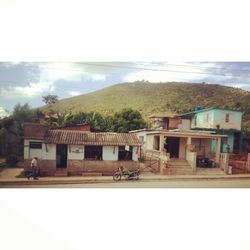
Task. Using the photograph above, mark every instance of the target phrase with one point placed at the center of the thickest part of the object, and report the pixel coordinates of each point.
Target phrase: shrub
(11, 160)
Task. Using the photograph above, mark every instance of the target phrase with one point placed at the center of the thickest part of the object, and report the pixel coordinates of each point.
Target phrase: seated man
(126, 171)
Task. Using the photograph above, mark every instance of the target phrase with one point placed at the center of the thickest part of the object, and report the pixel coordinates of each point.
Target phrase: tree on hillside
(126, 120)
(11, 130)
(50, 99)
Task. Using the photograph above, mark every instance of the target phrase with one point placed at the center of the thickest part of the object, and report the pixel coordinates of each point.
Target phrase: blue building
(220, 121)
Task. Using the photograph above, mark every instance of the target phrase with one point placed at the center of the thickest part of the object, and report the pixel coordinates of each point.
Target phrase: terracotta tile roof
(90, 138)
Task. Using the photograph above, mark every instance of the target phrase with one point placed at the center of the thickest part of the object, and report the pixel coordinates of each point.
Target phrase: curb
(89, 181)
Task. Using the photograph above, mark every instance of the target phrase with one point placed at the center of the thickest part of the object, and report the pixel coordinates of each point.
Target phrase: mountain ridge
(157, 98)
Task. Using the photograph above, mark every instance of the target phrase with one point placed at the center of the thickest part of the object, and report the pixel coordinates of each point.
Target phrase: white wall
(75, 152)
(150, 142)
(185, 124)
(110, 153)
(50, 154)
(135, 153)
(31, 152)
(235, 119)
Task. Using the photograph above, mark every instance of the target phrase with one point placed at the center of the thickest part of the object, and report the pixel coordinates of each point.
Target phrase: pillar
(218, 150)
(162, 140)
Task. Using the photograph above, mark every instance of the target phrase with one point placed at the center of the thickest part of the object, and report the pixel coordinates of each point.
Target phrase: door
(172, 146)
(61, 155)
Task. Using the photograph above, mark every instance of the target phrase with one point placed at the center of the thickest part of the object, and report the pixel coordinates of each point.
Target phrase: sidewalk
(8, 177)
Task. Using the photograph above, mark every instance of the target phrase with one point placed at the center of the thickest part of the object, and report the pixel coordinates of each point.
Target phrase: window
(227, 118)
(124, 155)
(36, 145)
(93, 152)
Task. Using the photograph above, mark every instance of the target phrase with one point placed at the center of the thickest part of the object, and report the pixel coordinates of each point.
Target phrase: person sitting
(126, 171)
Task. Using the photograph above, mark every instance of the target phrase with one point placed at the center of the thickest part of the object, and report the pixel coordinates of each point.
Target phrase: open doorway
(172, 146)
(61, 155)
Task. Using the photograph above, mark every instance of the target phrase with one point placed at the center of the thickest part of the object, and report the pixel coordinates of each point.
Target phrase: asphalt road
(235, 183)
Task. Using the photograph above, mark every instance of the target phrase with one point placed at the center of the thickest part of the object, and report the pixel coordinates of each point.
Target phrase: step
(180, 172)
(61, 174)
(176, 163)
(179, 166)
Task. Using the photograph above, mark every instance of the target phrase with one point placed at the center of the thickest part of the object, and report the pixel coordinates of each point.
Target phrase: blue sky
(27, 82)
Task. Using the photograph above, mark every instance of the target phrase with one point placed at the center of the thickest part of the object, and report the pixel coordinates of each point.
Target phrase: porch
(178, 152)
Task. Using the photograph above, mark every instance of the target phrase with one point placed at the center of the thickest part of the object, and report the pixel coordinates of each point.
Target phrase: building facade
(76, 151)
(221, 121)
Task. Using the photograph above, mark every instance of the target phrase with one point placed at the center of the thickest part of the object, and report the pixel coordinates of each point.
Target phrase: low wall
(47, 167)
(191, 158)
(78, 167)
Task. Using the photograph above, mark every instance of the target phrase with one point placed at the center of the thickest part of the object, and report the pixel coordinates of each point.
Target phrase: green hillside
(158, 99)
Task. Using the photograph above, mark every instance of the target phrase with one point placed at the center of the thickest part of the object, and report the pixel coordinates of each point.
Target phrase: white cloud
(74, 93)
(68, 71)
(30, 91)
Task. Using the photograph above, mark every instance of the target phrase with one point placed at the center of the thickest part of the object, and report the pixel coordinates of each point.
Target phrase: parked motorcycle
(204, 162)
(126, 173)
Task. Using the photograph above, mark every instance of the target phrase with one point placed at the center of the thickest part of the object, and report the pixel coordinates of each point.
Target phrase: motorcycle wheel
(117, 177)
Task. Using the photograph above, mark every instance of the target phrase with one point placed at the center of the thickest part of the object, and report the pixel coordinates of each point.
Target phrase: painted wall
(235, 118)
(150, 142)
(230, 142)
(110, 153)
(185, 124)
(75, 152)
(182, 148)
(29, 153)
(203, 120)
(135, 153)
(213, 118)
(50, 154)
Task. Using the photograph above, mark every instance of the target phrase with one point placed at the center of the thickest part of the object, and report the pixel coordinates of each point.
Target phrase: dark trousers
(33, 173)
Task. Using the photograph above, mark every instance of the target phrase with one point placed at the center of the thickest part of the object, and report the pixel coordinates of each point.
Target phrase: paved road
(235, 183)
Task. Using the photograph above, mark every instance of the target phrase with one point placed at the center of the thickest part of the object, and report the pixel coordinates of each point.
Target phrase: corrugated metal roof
(90, 138)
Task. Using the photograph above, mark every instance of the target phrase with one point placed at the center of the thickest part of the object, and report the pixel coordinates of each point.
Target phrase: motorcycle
(204, 162)
(127, 174)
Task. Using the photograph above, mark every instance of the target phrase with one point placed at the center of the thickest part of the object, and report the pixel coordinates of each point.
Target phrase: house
(77, 150)
(185, 138)
(181, 148)
(221, 121)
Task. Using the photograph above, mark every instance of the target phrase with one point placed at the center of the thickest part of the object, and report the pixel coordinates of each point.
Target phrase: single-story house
(181, 146)
(77, 150)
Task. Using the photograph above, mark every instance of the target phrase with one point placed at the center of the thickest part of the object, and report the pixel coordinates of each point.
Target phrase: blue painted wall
(230, 142)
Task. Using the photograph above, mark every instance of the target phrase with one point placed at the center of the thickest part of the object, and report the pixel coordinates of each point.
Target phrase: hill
(158, 98)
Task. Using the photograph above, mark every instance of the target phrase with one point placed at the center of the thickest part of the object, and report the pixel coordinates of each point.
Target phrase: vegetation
(157, 99)
(11, 132)
(50, 99)
(123, 121)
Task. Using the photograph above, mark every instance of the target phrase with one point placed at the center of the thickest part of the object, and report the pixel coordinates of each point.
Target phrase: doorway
(172, 146)
(61, 155)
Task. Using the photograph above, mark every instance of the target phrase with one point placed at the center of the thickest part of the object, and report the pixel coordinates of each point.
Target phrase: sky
(27, 82)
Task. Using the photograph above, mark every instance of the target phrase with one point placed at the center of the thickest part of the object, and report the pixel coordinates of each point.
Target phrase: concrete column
(162, 140)
(218, 150)
(241, 142)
